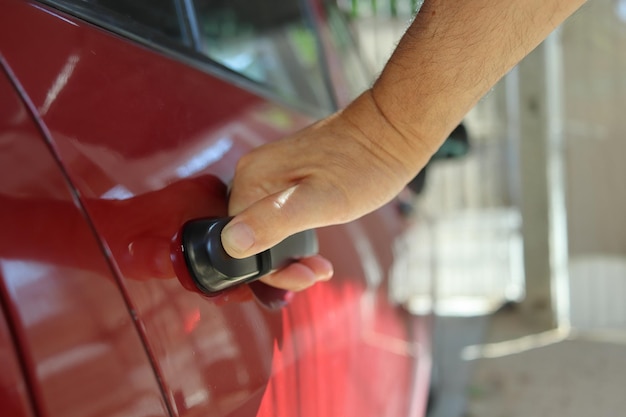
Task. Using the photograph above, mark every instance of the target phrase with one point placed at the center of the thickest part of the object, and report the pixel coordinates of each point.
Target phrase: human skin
(358, 159)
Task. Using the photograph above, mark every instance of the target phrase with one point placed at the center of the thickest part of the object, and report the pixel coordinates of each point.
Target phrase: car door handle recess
(213, 270)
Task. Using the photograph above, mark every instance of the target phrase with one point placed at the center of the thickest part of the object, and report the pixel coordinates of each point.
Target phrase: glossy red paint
(148, 143)
(14, 398)
(76, 338)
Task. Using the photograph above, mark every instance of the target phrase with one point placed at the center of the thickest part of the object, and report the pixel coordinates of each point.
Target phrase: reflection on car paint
(205, 158)
(59, 83)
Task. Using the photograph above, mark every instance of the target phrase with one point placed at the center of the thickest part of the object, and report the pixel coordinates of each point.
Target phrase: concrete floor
(549, 374)
(452, 374)
(500, 365)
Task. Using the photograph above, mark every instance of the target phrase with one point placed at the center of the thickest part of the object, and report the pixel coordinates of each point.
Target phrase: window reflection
(267, 41)
(162, 16)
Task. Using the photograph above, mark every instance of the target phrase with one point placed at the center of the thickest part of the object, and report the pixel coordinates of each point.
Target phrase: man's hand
(332, 172)
(358, 159)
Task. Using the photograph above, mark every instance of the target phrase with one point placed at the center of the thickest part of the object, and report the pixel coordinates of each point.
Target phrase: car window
(357, 75)
(164, 17)
(347, 69)
(270, 42)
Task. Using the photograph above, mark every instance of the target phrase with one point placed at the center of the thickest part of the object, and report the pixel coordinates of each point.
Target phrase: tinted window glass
(163, 17)
(269, 41)
(357, 76)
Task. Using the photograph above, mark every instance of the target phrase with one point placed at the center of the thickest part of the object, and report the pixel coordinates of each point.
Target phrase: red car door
(14, 397)
(78, 347)
(149, 136)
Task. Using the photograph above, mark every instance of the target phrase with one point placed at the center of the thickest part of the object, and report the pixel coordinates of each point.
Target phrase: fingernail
(328, 275)
(239, 237)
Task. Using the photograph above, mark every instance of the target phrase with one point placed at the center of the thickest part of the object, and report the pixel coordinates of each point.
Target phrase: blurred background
(522, 226)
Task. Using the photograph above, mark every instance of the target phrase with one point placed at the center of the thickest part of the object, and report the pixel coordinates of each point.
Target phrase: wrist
(406, 151)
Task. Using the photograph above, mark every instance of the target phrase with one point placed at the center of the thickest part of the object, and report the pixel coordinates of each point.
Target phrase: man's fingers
(274, 218)
(302, 274)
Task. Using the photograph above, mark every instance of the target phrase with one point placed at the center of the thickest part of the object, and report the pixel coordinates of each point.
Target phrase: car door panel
(78, 343)
(149, 143)
(14, 395)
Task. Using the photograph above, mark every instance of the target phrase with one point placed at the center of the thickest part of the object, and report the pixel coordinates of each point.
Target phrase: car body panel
(149, 143)
(14, 396)
(76, 338)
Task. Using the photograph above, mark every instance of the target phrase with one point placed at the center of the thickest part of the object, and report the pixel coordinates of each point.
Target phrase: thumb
(274, 218)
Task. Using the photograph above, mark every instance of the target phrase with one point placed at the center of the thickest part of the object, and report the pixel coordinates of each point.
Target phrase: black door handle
(213, 270)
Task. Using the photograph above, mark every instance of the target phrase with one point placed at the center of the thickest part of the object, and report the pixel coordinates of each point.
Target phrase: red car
(120, 121)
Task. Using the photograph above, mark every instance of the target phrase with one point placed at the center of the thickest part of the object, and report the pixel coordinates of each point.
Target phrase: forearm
(452, 54)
